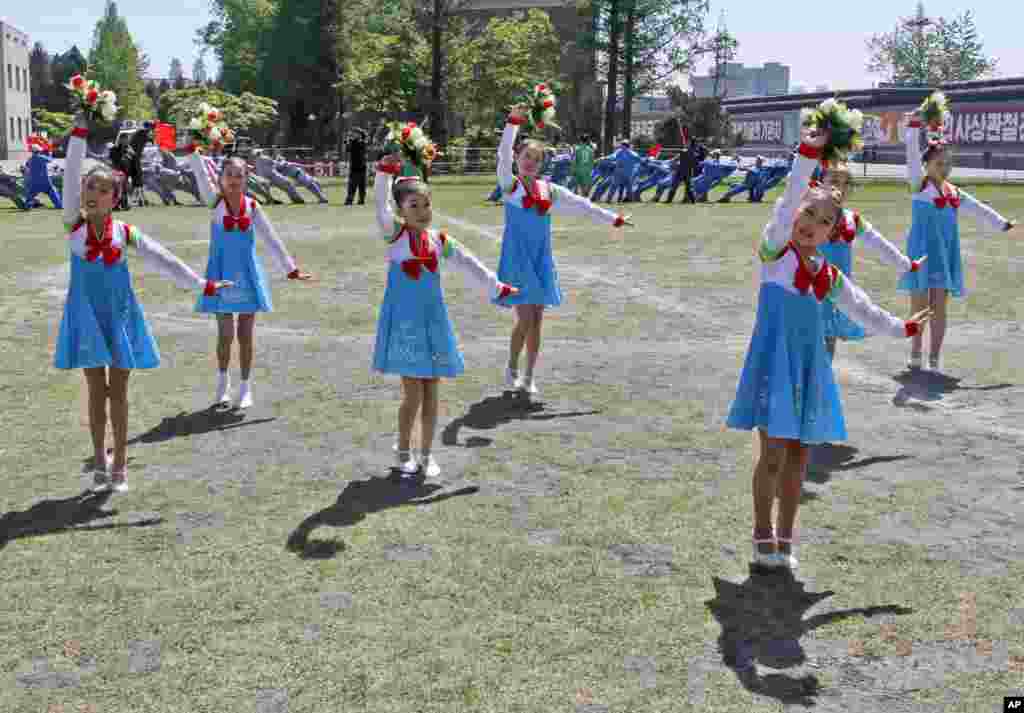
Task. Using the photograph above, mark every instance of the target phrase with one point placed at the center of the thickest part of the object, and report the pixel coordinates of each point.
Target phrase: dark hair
(822, 193)
(237, 160)
(406, 186)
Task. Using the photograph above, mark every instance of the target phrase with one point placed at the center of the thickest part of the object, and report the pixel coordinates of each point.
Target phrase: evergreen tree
(114, 63)
(199, 70)
(40, 76)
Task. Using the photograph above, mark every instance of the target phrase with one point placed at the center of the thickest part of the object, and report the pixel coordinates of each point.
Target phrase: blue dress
(787, 387)
(103, 324)
(414, 334)
(834, 322)
(233, 257)
(526, 260)
(934, 232)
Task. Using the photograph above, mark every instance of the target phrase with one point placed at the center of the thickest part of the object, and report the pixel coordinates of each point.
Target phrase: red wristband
(505, 292)
(294, 274)
(80, 133)
(211, 289)
(915, 124)
(914, 265)
(912, 329)
(389, 168)
(619, 221)
(516, 121)
(809, 151)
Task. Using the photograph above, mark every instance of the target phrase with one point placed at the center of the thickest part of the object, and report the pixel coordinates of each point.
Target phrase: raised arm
(269, 237)
(887, 252)
(72, 190)
(780, 229)
(506, 176)
(206, 190)
(455, 254)
(566, 202)
(160, 259)
(852, 300)
(912, 138)
(386, 220)
(984, 214)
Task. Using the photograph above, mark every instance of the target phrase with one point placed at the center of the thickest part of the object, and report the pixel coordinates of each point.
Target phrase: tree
(62, 68)
(703, 117)
(55, 124)
(114, 63)
(925, 52)
(238, 36)
(40, 76)
(176, 72)
(723, 48)
(199, 70)
(248, 112)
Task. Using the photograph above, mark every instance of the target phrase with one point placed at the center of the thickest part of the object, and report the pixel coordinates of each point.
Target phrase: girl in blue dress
(526, 259)
(103, 330)
(415, 339)
(786, 390)
(838, 250)
(237, 220)
(935, 232)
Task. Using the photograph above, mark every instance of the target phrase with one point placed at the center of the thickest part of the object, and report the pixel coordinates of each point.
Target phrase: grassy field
(585, 552)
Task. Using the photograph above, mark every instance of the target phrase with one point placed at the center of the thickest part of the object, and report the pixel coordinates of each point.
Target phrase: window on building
(20, 134)
(17, 78)
(10, 77)
(12, 129)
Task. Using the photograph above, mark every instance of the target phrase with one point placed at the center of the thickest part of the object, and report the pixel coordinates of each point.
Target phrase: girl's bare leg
(96, 380)
(119, 415)
(225, 336)
(918, 302)
(790, 489)
(428, 414)
(938, 301)
(246, 329)
(766, 477)
(533, 340)
(524, 315)
(412, 397)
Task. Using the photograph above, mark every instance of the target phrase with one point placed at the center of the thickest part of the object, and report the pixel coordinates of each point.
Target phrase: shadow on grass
(762, 620)
(829, 458)
(196, 423)
(51, 516)
(496, 410)
(921, 385)
(359, 498)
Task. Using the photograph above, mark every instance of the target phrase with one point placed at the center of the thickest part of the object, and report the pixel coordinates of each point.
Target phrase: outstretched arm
(455, 254)
(506, 176)
(72, 190)
(779, 231)
(566, 202)
(889, 253)
(386, 220)
(912, 138)
(161, 260)
(198, 166)
(852, 300)
(986, 215)
(268, 235)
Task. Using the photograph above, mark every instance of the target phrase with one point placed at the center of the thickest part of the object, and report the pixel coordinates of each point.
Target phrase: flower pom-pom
(934, 110)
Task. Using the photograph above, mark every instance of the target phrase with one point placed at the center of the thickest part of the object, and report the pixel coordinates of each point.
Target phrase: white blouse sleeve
(779, 231)
(158, 258)
(852, 300)
(889, 253)
(455, 254)
(72, 190)
(505, 157)
(206, 191)
(564, 201)
(386, 220)
(269, 237)
(984, 214)
(915, 172)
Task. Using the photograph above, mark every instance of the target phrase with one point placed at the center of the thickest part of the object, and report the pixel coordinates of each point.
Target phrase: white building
(15, 98)
(739, 81)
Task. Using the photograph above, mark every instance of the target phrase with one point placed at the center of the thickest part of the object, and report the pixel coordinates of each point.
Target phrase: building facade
(15, 93)
(648, 113)
(986, 123)
(739, 81)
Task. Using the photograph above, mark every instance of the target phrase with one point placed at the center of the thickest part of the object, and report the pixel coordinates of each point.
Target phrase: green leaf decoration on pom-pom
(542, 107)
(934, 109)
(842, 124)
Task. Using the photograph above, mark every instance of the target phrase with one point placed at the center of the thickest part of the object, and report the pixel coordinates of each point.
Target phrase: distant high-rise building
(15, 95)
(736, 80)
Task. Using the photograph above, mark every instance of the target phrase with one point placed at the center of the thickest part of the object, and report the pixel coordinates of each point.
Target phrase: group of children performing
(786, 390)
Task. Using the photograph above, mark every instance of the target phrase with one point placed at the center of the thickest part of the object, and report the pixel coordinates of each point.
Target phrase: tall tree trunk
(610, 109)
(437, 124)
(627, 99)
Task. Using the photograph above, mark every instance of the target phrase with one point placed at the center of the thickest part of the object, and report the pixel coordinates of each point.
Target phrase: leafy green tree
(245, 113)
(705, 118)
(114, 63)
(237, 36)
(55, 124)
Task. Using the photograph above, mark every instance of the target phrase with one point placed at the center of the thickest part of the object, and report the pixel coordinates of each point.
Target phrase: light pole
(312, 121)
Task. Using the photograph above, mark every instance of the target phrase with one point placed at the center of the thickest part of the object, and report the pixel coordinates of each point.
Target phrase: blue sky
(823, 43)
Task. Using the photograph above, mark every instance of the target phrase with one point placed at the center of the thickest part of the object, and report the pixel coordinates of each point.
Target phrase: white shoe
(244, 396)
(430, 467)
(222, 397)
(765, 559)
(101, 477)
(529, 386)
(512, 380)
(406, 463)
(787, 560)
(119, 481)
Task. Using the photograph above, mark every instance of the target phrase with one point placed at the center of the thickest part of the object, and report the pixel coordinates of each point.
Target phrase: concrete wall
(15, 95)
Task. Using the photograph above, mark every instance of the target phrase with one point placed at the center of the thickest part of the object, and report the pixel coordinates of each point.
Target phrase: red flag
(654, 151)
(164, 136)
(684, 133)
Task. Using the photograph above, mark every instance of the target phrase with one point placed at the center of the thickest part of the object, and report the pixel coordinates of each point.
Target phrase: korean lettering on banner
(988, 127)
(761, 130)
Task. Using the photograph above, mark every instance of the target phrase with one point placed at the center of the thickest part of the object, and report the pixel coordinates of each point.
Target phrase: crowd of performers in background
(625, 176)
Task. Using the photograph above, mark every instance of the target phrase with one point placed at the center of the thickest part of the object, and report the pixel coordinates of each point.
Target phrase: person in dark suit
(357, 167)
(684, 170)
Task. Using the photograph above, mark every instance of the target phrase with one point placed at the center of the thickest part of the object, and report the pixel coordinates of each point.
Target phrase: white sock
(244, 384)
(223, 380)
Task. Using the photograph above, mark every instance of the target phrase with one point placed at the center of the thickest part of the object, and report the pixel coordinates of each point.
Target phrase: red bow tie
(803, 280)
(543, 204)
(424, 256)
(242, 222)
(953, 200)
(105, 246)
